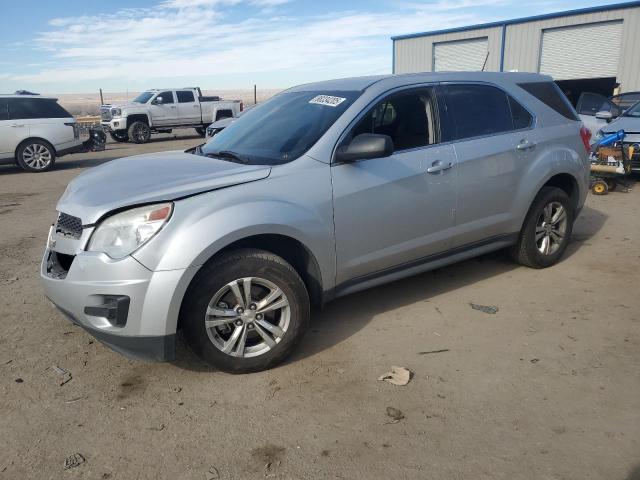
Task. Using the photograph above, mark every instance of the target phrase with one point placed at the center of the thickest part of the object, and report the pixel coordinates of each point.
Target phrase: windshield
(633, 111)
(281, 129)
(143, 97)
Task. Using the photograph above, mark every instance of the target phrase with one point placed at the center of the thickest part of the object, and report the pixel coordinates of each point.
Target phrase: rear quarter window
(551, 95)
(32, 108)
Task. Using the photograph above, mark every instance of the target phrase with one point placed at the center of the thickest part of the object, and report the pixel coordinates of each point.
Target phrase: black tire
(119, 136)
(526, 251)
(201, 131)
(36, 155)
(213, 277)
(139, 132)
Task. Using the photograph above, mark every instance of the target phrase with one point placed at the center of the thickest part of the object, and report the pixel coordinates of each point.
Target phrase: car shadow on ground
(345, 316)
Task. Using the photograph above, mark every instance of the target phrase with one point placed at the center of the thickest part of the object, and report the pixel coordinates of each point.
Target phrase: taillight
(585, 135)
(241, 106)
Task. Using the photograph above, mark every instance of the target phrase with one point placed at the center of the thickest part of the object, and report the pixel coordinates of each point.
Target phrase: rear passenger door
(390, 211)
(493, 142)
(188, 108)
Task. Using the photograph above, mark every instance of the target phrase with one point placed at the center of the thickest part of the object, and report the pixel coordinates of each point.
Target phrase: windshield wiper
(228, 155)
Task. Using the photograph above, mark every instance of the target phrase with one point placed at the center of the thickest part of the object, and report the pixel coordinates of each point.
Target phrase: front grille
(105, 113)
(69, 226)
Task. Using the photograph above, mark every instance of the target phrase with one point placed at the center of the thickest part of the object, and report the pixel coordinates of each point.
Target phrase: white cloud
(195, 38)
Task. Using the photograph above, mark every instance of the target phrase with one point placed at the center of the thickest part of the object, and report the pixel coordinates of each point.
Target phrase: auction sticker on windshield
(327, 100)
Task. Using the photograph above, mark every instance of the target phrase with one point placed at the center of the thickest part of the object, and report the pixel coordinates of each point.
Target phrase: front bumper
(90, 280)
(115, 124)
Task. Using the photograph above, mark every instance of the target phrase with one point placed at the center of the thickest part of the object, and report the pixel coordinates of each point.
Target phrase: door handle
(438, 166)
(525, 145)
(16, 125)
(196, 106)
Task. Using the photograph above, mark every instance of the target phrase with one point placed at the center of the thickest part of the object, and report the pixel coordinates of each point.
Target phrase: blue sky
(77, 46)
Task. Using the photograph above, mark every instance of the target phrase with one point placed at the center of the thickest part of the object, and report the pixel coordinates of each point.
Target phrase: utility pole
(255, 94)
(101, 99)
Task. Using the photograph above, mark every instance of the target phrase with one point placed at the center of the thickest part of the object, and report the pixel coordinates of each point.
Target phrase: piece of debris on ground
(395, 414)
(66, 376)
(485, 308)
(434, 351)
(397, 376)
(74, 460)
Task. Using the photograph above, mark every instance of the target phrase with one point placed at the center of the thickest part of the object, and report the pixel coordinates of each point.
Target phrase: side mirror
(365, 146)
(604, 115)
(158, 101)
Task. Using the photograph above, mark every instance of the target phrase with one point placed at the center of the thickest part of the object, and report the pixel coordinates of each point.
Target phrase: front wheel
(119, 136)
(245, 311)
(139, 132)
(547, 229)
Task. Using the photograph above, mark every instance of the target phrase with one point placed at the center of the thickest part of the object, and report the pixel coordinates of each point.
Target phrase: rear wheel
(36, 155)
(119, 136)
(139, 132)
(547, 229)
(245, 311)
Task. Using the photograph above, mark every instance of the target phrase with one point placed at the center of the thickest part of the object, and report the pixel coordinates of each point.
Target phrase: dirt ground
(546, 388)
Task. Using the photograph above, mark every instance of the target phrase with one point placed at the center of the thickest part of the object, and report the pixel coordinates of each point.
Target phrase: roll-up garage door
(460, 55)
(582, 51)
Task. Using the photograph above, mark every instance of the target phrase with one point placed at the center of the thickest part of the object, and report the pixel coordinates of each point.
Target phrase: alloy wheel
(551, 228)
(247, 317)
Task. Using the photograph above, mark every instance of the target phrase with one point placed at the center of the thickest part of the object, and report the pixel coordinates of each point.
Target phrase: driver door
(391, 212)
(164, 112)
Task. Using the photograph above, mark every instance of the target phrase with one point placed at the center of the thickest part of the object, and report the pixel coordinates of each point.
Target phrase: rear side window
(184, 97)
(4, 110)
(521, 117)
(25, 108)
(551, 95)
(592, 103)
(220, 114)
(477, 110)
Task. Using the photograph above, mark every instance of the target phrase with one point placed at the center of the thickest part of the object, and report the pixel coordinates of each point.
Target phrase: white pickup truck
(162, 110)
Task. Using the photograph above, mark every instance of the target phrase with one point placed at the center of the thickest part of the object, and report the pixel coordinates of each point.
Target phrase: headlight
(121, 234)
(116, 112)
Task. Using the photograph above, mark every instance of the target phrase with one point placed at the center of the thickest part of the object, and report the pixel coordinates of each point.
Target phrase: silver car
(326, 189)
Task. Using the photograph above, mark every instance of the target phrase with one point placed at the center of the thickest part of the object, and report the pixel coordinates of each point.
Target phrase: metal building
(591, 49)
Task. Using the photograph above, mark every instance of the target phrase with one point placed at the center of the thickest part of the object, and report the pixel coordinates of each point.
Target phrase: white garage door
(583, 51)
(460, 55)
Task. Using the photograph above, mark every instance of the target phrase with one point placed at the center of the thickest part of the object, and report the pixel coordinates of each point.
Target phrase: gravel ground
(546, 388)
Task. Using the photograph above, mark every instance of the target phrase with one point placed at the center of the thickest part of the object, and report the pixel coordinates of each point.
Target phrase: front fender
(297, 205)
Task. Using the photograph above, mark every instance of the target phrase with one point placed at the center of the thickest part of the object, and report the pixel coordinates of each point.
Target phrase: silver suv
(324, 190)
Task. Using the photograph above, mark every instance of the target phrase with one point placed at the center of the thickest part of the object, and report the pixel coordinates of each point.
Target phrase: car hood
(153, 177)
(128, 105)
(628, 124)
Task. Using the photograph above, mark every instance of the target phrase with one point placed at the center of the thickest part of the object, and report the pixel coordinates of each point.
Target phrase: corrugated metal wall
(416, 54)
(523, 43)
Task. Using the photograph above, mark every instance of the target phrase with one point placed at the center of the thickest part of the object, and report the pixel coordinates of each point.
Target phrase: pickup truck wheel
(245, 311)
(547, 229)
(119, 136)
(36, 156)
(201, 131)
(139, 132)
